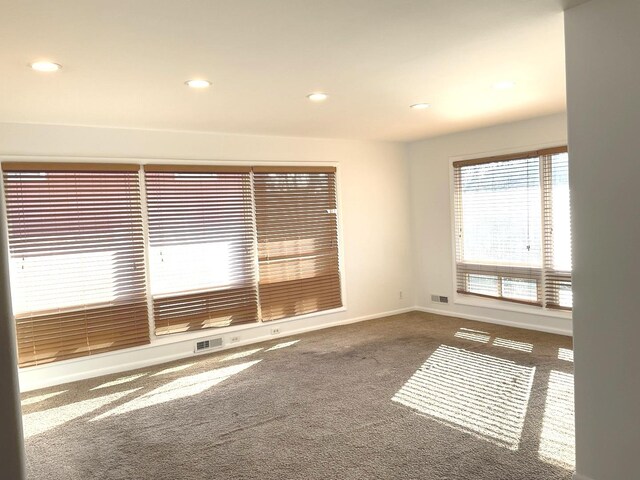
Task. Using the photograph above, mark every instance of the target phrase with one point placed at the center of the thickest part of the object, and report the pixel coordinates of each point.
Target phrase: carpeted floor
(414, 396)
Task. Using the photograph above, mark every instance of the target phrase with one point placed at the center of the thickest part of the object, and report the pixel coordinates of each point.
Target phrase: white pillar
(11, 441)
(603, 92)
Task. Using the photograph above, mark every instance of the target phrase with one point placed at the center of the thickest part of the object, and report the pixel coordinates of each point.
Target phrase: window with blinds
(77, 259)
(513, 228)
(201, 247)
(92, 248)
(297, 234)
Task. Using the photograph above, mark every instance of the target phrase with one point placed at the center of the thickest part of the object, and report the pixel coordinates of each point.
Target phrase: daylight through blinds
(77, 259)
(201, 255)
(99, 252)
(297, 241)
(513, 228)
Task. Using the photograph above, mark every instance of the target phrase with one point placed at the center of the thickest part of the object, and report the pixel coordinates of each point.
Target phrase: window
(297, 241)
(91, 247)
(77, 259)
(513, 228)
(201, 239)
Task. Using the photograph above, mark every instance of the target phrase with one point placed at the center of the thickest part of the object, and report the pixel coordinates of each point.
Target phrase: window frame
(159, 340)
(489, 302)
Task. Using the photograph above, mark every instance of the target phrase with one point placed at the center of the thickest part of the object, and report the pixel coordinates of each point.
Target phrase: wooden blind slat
(294, 169)
(68, 167)
(196, 168)
(510, 156)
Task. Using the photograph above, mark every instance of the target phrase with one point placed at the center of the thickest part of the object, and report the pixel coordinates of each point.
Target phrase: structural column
(12, 459)
(603, 92)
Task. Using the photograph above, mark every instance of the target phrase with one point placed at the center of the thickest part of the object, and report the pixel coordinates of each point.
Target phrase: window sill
(461, 299)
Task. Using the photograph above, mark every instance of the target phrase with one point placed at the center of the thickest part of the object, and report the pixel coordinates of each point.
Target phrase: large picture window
(297, 241)
(92, 247)
(201, 254)
(76, 250)
(512, 228)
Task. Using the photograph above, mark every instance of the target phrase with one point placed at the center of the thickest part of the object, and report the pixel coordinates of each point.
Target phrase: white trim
(139, 357)
(163, 160)
(496, 304)
(496, 321)
(342, 270)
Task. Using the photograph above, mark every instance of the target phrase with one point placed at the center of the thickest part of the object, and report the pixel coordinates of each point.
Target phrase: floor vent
(439, 299)
(203, 345)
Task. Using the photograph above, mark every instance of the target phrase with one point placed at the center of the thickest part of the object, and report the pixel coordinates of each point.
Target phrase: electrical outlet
(235, 339)
(401, 295)
(275, 330)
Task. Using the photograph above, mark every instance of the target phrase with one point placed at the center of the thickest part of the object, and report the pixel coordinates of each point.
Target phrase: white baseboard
(82, 368)
(508, 323)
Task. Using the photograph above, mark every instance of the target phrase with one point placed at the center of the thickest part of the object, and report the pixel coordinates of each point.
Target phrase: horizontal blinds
(297, 241)
(510, 156)
(498, 229)
(557, 231)
(77, 259)
(201, 248)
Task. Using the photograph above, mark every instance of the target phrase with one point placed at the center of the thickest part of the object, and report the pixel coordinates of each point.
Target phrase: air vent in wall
(203, 345)
(439, 299)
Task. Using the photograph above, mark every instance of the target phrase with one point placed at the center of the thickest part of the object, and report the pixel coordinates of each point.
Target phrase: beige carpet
(413, 396)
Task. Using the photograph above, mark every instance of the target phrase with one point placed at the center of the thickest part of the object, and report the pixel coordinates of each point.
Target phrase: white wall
(374, 213)
(603, 86)
(433, 249)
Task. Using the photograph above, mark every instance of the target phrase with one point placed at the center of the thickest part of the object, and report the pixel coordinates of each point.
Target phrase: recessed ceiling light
(504, 85)
(45, 66)
(317, 96)
(198, 83)
(420, 106)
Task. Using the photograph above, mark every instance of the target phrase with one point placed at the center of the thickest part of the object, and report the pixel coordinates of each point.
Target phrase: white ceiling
(125, 63)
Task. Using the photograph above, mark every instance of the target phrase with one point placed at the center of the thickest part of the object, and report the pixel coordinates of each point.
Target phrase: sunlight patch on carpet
(167, 371)
(513, 345)
(474, 335)
(41, 398)
(282, 345)
(557, 439)
(565, 354)
(39, 422)
(478, 393)
(120, 381)
(177, 389)
(235, 356)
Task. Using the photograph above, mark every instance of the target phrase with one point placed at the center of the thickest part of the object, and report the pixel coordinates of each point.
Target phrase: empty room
(293, 239)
